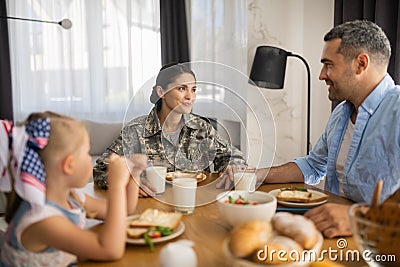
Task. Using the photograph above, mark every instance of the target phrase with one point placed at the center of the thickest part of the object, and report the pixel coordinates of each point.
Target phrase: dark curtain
(6, 108)
(385, 13)
(174, 34)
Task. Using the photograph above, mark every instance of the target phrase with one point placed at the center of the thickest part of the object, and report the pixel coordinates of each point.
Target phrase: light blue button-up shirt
(374, 152)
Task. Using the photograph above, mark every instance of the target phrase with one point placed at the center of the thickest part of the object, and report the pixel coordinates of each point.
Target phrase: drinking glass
(184, 191)
(155, 174)
(245, 178)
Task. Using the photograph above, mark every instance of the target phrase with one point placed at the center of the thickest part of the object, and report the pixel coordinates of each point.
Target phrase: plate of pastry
(181, 174)
(288, 240)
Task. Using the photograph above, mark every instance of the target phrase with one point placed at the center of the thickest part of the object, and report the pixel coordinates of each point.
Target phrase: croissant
(297, 227)
(249, 236)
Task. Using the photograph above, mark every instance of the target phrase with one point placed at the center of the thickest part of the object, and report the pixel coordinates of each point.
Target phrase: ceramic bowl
(235, 214)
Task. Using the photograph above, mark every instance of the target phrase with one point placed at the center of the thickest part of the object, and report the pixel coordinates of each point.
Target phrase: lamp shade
(269, 67)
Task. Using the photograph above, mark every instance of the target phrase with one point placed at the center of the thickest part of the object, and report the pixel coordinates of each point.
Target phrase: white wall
(297, 26)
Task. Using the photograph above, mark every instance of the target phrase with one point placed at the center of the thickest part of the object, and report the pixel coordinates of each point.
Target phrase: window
(90, 71)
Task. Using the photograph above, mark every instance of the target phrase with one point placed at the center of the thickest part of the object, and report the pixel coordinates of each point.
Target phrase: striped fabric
(18, 146)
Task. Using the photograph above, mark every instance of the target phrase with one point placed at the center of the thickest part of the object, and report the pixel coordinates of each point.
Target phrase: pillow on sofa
(101, 135)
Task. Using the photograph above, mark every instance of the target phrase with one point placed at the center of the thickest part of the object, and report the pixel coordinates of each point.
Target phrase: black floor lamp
(268, 71)
(65, 23)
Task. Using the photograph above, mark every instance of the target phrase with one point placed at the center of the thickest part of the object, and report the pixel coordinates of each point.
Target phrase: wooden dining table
(207, 230)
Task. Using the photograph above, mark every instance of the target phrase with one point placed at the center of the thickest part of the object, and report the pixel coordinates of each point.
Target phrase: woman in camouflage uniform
(170, 132)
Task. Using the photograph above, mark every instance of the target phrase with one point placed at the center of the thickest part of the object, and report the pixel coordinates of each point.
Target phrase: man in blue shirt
(361, 142)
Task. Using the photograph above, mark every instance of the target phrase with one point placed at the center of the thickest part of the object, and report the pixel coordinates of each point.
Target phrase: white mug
(155, 174)
(184, 191)
(245, 180)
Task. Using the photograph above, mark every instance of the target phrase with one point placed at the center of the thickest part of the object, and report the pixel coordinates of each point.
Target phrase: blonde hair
(66, 135)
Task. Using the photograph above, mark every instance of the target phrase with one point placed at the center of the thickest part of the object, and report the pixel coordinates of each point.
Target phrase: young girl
(49, 159)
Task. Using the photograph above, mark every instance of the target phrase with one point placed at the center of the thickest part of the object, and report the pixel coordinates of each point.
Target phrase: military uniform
(199, 146)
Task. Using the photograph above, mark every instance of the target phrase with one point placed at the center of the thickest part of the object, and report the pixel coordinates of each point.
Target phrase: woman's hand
(146, 188)
(137, 164)
(226, 177)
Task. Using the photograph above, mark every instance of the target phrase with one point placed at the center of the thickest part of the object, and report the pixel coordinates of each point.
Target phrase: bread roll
(297, 227)
(278, 250)
(247, 237)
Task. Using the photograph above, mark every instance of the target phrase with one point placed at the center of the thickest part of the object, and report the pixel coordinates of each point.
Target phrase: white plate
(171, 175)
(239, 262)
(300, 205)
(140, 241)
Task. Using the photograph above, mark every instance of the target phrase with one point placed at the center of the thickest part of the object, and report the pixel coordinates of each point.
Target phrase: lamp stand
(308, 98)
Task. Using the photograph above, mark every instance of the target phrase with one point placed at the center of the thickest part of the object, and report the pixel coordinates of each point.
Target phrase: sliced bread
(155, 217)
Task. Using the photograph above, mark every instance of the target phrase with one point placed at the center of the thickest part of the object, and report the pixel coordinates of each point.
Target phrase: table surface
(206, 229)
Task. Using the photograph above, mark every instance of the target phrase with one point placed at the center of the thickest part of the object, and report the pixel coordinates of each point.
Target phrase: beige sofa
(101, 135)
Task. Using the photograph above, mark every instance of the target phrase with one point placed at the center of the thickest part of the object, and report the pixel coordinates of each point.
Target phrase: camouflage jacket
(199, 146)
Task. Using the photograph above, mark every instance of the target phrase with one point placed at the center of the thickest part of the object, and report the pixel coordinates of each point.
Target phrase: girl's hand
(117, 171)
(136, 165)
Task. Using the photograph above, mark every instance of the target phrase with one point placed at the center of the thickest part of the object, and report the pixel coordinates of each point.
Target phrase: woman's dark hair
(167, 75)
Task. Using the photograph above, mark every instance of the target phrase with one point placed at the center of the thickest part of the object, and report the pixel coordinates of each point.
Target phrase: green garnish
(299, 188)
(231, 200)
(286, 189)
(164, 230)
(148, 241)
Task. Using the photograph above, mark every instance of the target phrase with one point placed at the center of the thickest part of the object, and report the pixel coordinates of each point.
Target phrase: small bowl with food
(237, 207)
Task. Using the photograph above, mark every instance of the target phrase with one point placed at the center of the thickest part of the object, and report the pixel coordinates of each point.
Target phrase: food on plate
(152, 232)
(136, 232)
(285, 232)
(169, 176)
(155, 217)
(297, 227)
(240, 201)
(153, 223)
(181, 174)
(299, 195)
(245, 238)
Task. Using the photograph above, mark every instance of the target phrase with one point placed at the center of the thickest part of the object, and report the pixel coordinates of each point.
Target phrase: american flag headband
(18, 150)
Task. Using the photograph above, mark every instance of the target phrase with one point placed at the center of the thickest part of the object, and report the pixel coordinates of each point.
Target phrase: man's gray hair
(362, 36)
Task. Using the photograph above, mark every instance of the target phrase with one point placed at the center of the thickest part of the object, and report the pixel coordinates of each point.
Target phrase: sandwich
(299, 195)
(153, 222)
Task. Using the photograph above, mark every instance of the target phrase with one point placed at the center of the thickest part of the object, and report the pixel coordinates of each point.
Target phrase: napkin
(179, 253)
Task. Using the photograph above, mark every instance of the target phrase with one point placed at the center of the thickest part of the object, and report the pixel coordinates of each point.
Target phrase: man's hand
(331, 219)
